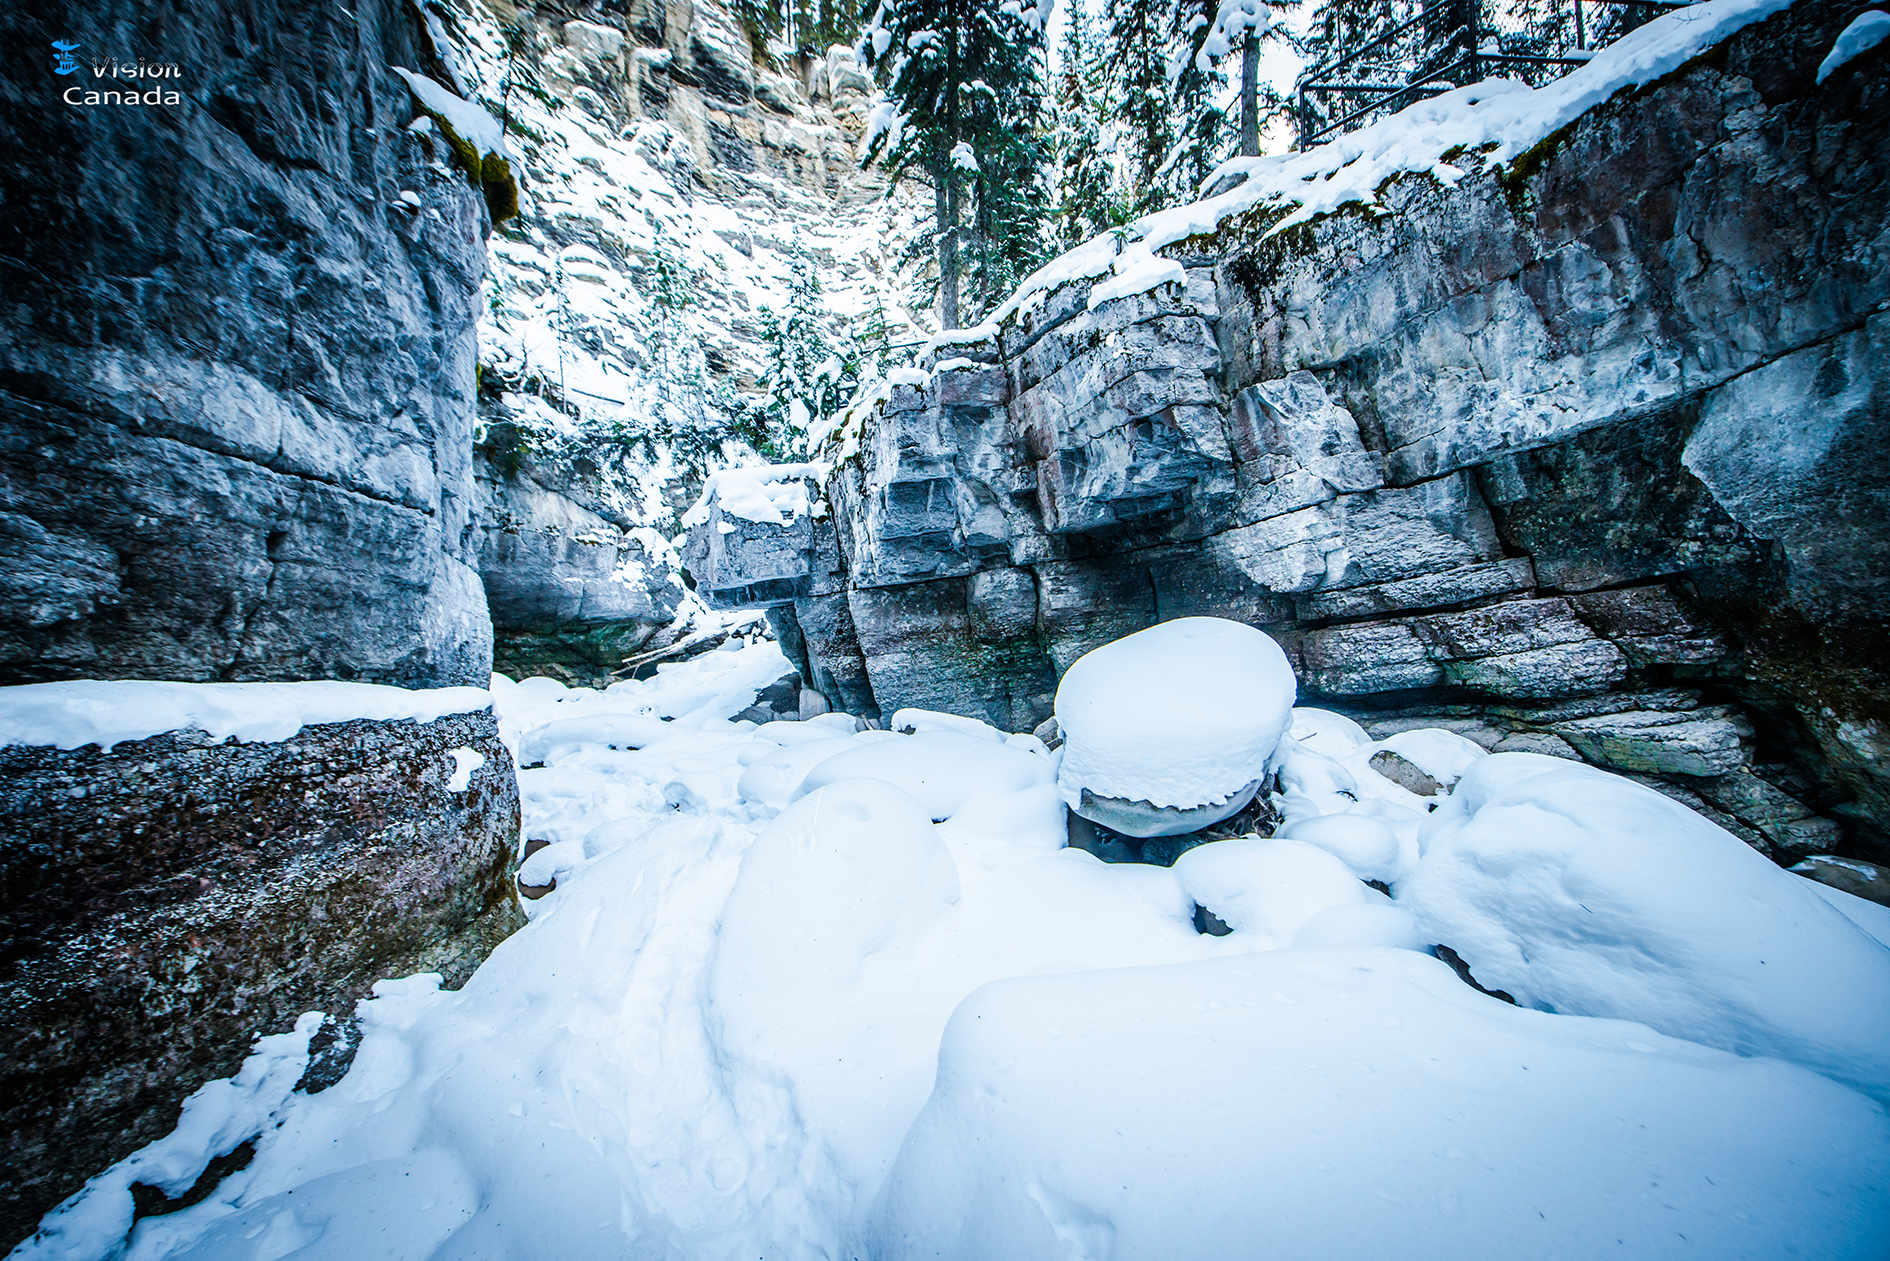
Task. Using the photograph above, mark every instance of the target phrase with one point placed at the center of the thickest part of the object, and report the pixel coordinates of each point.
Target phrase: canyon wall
(670, 172)
(237, 367)
(1585, 456)
(237, 376)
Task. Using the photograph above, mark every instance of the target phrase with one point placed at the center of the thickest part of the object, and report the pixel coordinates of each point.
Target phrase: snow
(1443, 755)
(764, 1016)
(474, 124)
(770, 494)
(465, 761)
(216, 1119)
(1872, 917)
(106, 712)
(1864, 33)
(1270, 887)
(1581, 892)
(1361, 1104)
(1185, 713)
(940, 769)
(1233, 21)
(1367, 846)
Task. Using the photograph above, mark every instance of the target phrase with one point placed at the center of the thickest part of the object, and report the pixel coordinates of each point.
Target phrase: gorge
(386, 542)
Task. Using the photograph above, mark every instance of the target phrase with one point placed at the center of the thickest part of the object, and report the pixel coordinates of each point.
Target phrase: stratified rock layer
(236, 381)
(164, 902)
(1587, 456)
(571, 592)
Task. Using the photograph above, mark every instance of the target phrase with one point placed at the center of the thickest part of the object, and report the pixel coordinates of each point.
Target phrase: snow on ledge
(1499, 119)
(1868, 31)
(473, 122)
(769, 494)
(106, 712)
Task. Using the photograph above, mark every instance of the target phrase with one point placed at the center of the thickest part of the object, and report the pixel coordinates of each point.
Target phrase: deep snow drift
(806, 990)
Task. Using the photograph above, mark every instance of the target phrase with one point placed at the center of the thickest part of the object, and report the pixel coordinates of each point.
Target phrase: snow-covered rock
(1367, 847)
(1270, 888)
(1360, 1104)
(1170, 729)
(1581, 892)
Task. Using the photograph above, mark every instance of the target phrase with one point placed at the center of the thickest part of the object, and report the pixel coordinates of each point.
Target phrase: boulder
(1170, 729)
(1854, 876)
(167, 900)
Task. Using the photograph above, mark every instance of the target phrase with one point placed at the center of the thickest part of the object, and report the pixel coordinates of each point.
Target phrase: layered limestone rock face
(163, 902)
(237, 373)
(1587, 457)
(574, 588)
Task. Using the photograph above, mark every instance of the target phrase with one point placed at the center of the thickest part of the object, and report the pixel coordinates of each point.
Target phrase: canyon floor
(816, 989)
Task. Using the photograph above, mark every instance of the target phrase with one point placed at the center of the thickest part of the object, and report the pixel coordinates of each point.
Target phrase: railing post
(1473, 17)
(1581, 29)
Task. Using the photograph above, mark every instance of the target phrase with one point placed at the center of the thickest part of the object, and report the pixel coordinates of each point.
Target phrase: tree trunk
(1250, 96)
(945, 198)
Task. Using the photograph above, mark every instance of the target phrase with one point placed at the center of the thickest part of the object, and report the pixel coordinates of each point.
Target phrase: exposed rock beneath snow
(168, 900)
(1855, 877)
(1405, 774)
(1525, 443)
(1697, 742)
(237, 423)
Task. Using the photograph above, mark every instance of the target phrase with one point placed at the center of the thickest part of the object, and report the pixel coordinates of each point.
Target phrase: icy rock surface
(1577, 891)
(1185, 714)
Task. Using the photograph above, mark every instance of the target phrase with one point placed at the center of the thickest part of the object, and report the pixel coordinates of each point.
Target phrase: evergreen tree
(1141, 47)
(805, 378)
(1086, 200)
(964, 80)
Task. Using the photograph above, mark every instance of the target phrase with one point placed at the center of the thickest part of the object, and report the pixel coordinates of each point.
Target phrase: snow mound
(1367, 846)
(941, 769)
(771, 779)
(769, 494)
(1183, 714)
(1352, 1104)
(1269, 887)
(106, 712)
(836, 879)
(1579, 891)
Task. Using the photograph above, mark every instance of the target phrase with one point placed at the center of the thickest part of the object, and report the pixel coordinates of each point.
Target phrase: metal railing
(1439, 45)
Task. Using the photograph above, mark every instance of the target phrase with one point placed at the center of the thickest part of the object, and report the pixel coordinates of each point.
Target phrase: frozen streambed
(803, 991)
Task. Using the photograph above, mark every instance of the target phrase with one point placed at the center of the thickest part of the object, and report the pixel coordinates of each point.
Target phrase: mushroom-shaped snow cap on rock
(1169, 729)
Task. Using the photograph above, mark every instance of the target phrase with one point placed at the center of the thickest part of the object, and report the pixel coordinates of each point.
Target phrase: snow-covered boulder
(1366, 845)
(1355, 1103)
(1169, 730)
(1579, 891)
(1271, 888)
